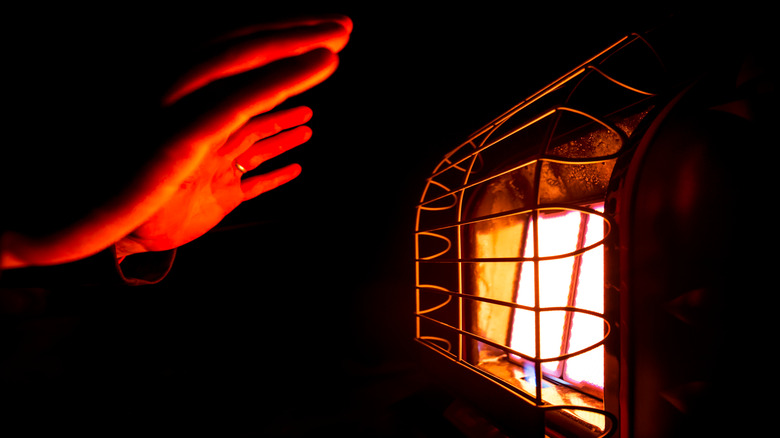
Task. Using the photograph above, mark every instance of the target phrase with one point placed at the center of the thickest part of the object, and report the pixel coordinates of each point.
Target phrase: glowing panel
(568, 281)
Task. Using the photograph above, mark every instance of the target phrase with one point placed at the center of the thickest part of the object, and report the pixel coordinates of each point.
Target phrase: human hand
(214, 107)
(216, 187)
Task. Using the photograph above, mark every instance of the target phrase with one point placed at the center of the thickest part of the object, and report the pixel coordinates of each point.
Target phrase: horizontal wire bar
(517, 212)
(482, 147)
(433, 339)
(530, 161)
(608, 431)
(621, 84)
(558, 83)
(448, 355)
(434, 308)
(543, 404)
(443, 291)
(476, 337)
(538, 158)
(510, 259)
(508, 350)
(483, 136)
(555, 85)
(438, 236)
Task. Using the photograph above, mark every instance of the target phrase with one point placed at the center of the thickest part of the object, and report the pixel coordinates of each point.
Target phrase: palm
(220, 114)
(203, 200)
(216, 187)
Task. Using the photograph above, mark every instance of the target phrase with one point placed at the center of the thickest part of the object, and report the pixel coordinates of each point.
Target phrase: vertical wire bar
(544, 146)
(417, 275)
(461, 340)
(461, 309)
(572, 298)
(417, 297)
(417, 263)
(537, 310)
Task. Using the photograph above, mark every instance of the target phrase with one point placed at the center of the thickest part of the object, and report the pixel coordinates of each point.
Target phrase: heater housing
(642, 138)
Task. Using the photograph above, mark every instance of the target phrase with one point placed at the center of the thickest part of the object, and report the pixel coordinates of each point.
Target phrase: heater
(569, 255)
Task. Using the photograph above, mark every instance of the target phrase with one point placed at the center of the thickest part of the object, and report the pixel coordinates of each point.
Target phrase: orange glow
(558, 235)
(589, 367)
(496, 238)
(567, 281)
(196, 176)
(527, 258)
(293, 38)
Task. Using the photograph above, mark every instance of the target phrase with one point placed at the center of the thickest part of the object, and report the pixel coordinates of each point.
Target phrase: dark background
(294, 317)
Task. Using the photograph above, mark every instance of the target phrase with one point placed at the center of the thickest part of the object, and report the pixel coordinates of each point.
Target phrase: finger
(186, 150)
(255, 49)
(190, 135)
(273, 146)
(342, 20)
(257, 185)
(213, 115)
(263, 126)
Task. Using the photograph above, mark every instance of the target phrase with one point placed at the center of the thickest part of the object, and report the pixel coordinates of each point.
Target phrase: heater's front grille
(510, 232)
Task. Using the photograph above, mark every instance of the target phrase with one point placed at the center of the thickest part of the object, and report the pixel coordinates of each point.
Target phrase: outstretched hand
(222, 108)
(216, 187)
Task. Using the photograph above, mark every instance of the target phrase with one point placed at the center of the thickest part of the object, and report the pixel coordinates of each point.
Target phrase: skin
(193, 182)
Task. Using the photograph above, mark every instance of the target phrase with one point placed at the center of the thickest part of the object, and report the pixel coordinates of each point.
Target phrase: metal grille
(554, 151)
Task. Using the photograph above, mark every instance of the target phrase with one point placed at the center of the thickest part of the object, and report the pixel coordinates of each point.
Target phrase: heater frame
(534, 409)
(711, 104)
(510, 407)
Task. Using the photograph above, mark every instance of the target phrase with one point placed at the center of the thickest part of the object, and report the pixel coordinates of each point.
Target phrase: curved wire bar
(508, 350)
(540, 157)
(575, 73)
(440, 305)
(463, 160)
(608, 432)
(439, 236)
(446, 189)
(621, 84)
(608, 221)
(433, 339)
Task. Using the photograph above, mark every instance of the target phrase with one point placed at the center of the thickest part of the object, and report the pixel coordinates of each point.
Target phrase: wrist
(127, 246)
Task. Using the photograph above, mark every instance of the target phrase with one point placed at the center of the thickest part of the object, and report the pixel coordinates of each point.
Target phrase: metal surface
(442, 211)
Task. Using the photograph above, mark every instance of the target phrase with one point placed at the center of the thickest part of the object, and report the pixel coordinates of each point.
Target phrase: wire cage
(510, 235)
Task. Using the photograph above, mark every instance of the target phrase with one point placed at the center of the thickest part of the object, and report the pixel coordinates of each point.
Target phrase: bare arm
(193, 182)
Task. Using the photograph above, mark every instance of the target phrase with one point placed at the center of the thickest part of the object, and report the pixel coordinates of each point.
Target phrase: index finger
(264, 126)
(342, 20)
(257, 46)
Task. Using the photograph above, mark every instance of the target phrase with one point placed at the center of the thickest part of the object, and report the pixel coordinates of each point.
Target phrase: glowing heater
(530, 287)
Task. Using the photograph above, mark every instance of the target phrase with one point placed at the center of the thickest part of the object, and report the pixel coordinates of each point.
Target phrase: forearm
(101, 269)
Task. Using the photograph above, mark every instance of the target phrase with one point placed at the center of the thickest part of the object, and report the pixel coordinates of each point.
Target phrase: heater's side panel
(685, 310)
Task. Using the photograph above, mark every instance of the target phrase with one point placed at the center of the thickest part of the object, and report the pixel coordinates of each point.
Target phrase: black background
(294, 317)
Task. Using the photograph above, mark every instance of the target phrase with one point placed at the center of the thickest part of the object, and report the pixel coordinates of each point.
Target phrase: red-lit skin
(194, 183)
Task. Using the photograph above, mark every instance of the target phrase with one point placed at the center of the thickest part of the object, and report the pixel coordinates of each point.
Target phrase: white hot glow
(559, 233)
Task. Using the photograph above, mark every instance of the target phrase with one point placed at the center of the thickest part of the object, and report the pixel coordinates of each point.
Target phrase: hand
(219, 108)
(216, 187)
